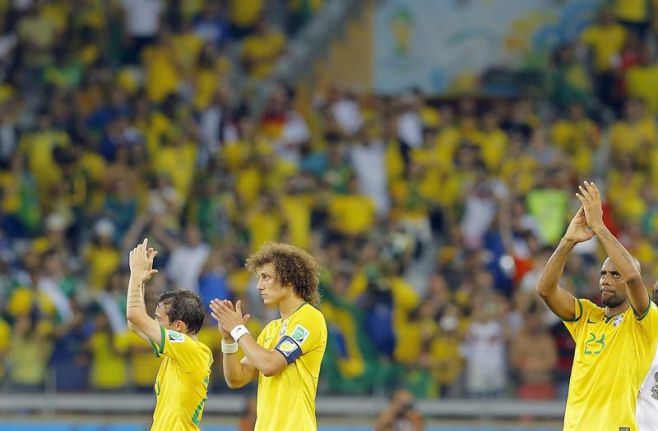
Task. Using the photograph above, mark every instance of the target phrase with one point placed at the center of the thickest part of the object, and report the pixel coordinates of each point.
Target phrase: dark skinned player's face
(612, 285)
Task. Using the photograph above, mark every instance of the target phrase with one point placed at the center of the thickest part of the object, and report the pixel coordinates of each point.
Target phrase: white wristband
(238, 332)
(229, 347)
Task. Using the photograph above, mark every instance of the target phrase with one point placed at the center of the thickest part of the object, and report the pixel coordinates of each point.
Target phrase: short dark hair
(185, 306)
(294, 267)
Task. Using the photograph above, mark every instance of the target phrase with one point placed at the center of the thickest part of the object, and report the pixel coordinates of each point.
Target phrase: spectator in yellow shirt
(101, 256)
(37, 34)
(176, 160)
(28, 357)
(634, 134)
(243, 15)
(261, 49)
(296, 206)
(265, 223)
(351, 214)
(641, 80)
(634, 15)
(109, 366)
(162, 75)
(5, 344)
(38, 148)
(577, 136)
(492, 141)
(143, 364)
(605, 39)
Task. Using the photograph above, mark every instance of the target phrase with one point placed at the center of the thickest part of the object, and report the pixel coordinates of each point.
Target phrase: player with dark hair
(288, 353)
(182, 382)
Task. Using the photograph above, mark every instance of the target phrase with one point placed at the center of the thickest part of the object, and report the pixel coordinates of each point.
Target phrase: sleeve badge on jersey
(299, 334)
(175, 337)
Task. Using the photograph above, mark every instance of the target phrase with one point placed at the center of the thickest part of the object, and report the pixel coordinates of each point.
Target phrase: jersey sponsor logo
(176, 337)
(299, 334)
(589, 321)
(594, 346)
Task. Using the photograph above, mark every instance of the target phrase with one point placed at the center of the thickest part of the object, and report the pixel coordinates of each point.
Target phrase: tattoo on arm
(136, 296)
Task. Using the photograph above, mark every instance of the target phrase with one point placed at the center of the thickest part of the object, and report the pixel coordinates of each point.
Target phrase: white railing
(326, 406)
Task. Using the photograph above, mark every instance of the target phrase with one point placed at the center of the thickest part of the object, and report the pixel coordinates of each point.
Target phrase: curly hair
(294, 267)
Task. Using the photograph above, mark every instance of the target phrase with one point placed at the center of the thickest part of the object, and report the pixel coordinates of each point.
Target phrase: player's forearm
(135, 305)
(262, 359)
(234, 371)
(627, 267)
(550, 276)
(136, 330)
(620, 257)
(385, 421)
(136, 314)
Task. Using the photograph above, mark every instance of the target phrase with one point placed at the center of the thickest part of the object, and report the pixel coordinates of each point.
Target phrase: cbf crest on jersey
(284, 328)
(618, 320)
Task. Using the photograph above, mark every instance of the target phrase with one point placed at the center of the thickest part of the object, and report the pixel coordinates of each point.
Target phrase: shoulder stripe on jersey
(162, 340)
(154, 347)
(643, 315)
(578, 315)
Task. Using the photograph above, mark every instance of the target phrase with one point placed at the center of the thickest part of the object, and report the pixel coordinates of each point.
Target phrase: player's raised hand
(141, 261)
(590, 198)
(226, 315)
(578, 230)
(214, 312)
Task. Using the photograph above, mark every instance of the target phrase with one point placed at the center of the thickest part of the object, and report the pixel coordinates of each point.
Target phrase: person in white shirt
(142, 24)
(142, 17)
(646, 411)
(484, 349)
(368, 159)
(187, 259)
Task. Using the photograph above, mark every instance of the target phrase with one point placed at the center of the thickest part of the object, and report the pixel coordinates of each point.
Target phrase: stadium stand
(431, 216)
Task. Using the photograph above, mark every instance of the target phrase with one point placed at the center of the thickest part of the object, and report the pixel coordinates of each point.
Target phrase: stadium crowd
(432, 218)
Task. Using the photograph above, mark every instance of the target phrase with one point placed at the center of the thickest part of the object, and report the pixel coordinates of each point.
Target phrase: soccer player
(182, 382)
(647, 402)
(287, 355)
(614, 344)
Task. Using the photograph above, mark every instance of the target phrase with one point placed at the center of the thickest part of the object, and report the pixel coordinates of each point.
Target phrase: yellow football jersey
(182, 382)
(612, 357)
(286, 402)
